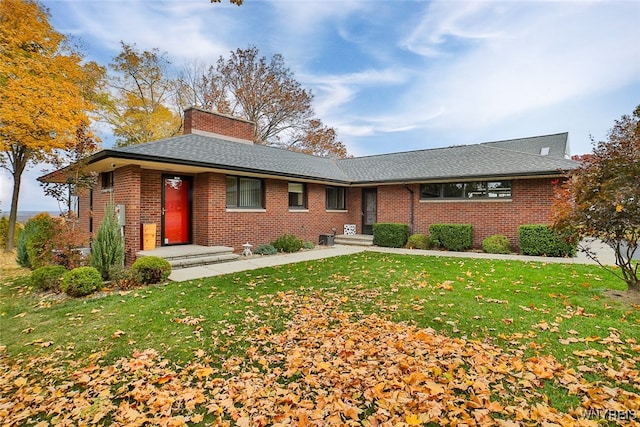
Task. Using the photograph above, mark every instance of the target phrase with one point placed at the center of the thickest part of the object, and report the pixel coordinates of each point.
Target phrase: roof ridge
(523, 138)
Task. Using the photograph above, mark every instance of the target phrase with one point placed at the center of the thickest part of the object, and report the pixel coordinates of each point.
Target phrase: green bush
(22, 257)
(39, 236)
(452, 237)
(542, 240)
(496, 244)
(265, 249)
(81, 281)
(4, 231)
(107, 249)
(308, 245)
(151, 269)
(123, 277)
(47, 278)
(390, 234)
(288, 243)
(418, 241)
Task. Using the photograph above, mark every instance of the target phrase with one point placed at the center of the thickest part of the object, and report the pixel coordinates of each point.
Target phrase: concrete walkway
(605, 254)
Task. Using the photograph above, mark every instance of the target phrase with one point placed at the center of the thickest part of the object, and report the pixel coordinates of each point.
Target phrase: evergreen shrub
(542, 240)
(149, 270)
(390, 234)
(288, 243)
(496, 244)
(47, 278)
(418, 241)
(107, 249)
(452, 237)
(81, 281)
(265, 249)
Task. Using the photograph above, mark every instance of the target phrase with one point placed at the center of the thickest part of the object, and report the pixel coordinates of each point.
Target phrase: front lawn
(369, 339)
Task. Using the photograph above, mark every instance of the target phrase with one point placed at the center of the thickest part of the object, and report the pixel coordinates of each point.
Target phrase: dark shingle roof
(220, 153)
(518, 157)
(504, 158)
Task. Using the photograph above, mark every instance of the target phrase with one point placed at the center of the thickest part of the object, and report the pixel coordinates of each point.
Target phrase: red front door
(176, 210)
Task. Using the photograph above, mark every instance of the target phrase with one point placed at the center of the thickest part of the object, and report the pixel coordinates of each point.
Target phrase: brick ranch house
(213, 186)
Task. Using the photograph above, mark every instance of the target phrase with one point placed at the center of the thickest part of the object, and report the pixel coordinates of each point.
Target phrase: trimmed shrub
(418, 241)
(47, 278)
(288, 243)
(308, 245)
(390, 234)
(151, 269)
(496, 244)
(452, 237)
(81, 281)
(107, 250)
(542, 240)
(4, 231)
(265, 249)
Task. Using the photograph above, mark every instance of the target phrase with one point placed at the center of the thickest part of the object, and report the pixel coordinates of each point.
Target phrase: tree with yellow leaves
(139, 105)
(42, 87)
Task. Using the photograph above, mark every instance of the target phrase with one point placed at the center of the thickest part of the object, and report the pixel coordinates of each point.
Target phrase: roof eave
(467, 178)
(120, 155)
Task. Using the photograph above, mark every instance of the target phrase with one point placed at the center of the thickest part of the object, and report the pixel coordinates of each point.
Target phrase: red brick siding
(212, 224)
(209, 121)
(126, 191)
(217, 225)
(151, 200)
(530, 204)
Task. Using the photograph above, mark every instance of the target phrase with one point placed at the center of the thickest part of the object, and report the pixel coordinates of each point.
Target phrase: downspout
(411, 207)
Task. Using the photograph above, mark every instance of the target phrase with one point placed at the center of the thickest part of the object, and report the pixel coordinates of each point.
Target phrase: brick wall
(210, 121)
(212, 224)
(530, 204)
(216, 225)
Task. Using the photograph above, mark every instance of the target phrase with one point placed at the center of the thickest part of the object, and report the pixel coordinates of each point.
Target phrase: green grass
(473, 298)
(524, 308)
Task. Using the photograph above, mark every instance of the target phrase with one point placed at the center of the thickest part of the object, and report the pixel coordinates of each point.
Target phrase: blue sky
(397, 75)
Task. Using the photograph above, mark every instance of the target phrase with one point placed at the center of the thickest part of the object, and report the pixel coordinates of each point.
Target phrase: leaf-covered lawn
(369, 339)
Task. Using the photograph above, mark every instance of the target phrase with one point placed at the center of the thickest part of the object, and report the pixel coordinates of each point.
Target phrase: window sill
(246, 210)
(485, 200)
(298, 210)
(106, 190)
(336, 210)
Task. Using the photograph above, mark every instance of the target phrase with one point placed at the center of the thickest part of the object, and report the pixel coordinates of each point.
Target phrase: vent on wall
(544, 151)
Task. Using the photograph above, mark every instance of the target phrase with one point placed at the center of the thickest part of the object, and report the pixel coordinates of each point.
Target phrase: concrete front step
(201, 260)
(191, 255)
(356, 240)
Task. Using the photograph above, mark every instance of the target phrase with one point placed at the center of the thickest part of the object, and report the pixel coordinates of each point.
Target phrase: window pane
(476, 190)
(250, 193)
(454, 190)
(296, 195)
(335, 198)
(430, 191)
(499, 189)
(232, 191)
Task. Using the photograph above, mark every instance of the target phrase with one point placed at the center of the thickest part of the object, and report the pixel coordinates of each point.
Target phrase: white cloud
(527, 58)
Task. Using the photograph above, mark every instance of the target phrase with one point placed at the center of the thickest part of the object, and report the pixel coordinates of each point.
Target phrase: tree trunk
(18, 168)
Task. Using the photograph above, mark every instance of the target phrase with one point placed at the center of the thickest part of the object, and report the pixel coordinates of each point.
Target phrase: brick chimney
(203, 122)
